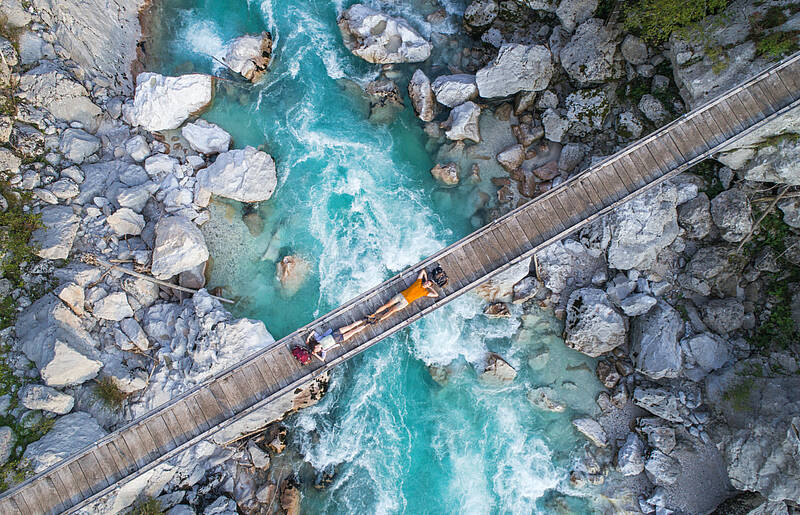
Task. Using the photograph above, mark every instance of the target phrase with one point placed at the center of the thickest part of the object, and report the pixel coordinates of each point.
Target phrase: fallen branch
(92, 259)
(788, 195)
(536, 267)
(763, 215)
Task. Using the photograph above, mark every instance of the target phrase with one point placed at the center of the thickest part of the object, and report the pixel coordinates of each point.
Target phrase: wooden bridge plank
(686, 146)
(176, 431)
(96, 479)
(506, 247)
(199, 417)
(669, 142)
(725, 119)
(779, 89)
(147, 439)
(489, 256)
(266, 371)
(138, 451)
(654, 170)
(716, 134)
(125, 455)
(640, 166)
(160, 433)
(540, 224)
(7, 505)
(179, 422)
(701, 144)
(35, 499)
(790, 78)
(527, 227)
(551, 214)
(51, 500)
(516, 241)
(513, 226)
(735, 119)
(587, 204)
(474, 260)
(111, 467)
(773, 98)
(210, 406)
(608, 176)
(754, 97)
(748, 106)
(235, 389)
(742, 114)
(272, 361)
(223, 401)
(624, 168)
(571, 213)
(451, 264)
(257, 382)
(64, 493)
(607, 194)
(290, 366)
(482, 257)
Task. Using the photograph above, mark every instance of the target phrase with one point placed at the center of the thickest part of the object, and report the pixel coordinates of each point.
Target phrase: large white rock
(37, 396)
(52, 337)
(249, 55)
(655, 337)
(591, 56)
(516, 68)
(463, 123)
(113, 307)
(205, 137)
(246, 175)
(50, 88)
(592, 430)
(421, 94)
(163, 103)
(179, 246)
(378, 38)
(69, 434)
(56, 237)
(77, 145)
(593, 325)
(126, 221)
(500, 288)
(453, 90)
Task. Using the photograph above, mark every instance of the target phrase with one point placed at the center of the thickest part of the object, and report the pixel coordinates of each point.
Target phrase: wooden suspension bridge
(97, 470)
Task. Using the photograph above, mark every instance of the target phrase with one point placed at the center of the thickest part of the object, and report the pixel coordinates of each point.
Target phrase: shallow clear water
(356, 201)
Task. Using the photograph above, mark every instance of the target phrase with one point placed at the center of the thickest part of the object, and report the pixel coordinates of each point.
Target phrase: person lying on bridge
(422, 287)
(324, 342)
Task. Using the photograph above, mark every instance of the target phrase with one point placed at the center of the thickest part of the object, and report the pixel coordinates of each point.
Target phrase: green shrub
(777, 44)
(147, 507)
(108, 392)
(739, 395)
(655, 20)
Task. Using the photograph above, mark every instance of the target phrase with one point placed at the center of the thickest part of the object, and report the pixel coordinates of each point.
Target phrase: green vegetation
(778, 44)
(708, 171)
(773, 141)
(108, 392)
(739, 395)
(148, 506)
(656, 20)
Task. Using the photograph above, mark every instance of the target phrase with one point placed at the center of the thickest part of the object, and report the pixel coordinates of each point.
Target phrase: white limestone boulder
(249, 55)
(516, 68)
(422, 98)
(497, 371)
(50, 88)
(246, 175)
(500, 288)
(55, 239)
(69, 434)
(453, 90)
(463, 123)
(76, 145)
(126, 221)
(163, 103)
(592, 430)
(37, 396)
(379, 38)
(53, 338)
(113, 306)
(593, 325)
(206, 138)
(179, 246)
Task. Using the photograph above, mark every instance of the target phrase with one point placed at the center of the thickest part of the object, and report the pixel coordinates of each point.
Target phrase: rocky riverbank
(687, 295)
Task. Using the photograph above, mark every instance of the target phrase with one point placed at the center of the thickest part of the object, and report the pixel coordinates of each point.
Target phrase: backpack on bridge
(302, 355)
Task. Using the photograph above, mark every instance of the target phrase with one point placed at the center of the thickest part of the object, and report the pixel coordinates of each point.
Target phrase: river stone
(126, 221)
(69, 433)
(592, 430)
(695, 217)
(463, 123)
(662, 469)
(446, 174)
(7, 441)
(48, 87)
(630, 460)
(379, 38)
(791, 212)
(544, 398)
(573, 12)
(497, 371)
(249, 55)
(453, 90)
(179, 246)
(55, 238)
(637, 304)
(77, 145)
(246, 175)
(634, 50)
(134, 333)
(593, 326)
(422, 98)
(590, 56)
(206, 138)
(291, 272)
(163, 103)
(137, 148)
(516, 68)
(659, 402)
(500, 288)
(555, 125)
(645, 226)
(654, 342)
(40, 397)
(707, 352)
(113, 306)
(479, 15)
(73, 296)
(723, 315)
(730, 211)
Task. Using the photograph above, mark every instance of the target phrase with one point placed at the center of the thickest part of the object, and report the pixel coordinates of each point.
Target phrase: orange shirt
(415, 291)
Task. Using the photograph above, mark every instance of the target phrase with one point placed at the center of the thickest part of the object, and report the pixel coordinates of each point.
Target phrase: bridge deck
(120, 456)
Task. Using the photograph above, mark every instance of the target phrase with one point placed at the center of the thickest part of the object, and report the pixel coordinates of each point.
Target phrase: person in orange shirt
(422, 287)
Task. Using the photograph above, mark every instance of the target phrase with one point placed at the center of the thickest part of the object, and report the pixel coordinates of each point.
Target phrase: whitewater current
(356, 202)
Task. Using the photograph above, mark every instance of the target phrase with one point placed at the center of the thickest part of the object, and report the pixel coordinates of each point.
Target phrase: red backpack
(301, 355)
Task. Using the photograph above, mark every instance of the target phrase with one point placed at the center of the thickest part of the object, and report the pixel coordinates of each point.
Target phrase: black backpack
(439, 276)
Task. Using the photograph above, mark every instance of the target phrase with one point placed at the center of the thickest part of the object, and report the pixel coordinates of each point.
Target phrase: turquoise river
(357, 202)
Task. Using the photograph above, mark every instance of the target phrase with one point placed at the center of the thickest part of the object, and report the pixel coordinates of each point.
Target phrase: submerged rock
(206, 138)
(292, 272)
(544, 398)
(422, 98)
(497, 372)
(163, 103)
(516, 68)
(446, 174)
(246, 175)
(463, 123)
(592, 430)
(379, 38)
(250, 55)
(179, 246)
